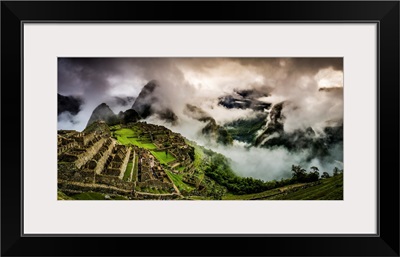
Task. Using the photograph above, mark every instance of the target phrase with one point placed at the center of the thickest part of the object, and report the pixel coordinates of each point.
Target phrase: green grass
(128, 171)
(250, 196)
(99, 127)
(62, 196)
(180, 169)
(115, 127)
(198, 156)
(129, 136)
(125, 132)
(162, 157)
(95, 196)
(177, 180)
(329, 189)
(245, 129)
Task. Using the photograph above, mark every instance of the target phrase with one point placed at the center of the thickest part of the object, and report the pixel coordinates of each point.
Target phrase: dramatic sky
(200, 81)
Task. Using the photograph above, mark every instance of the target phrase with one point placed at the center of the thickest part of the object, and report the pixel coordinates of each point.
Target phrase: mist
(249, 161)
(299, 82)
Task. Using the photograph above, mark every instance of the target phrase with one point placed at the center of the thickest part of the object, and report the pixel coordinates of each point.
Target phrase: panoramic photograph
(200, 128)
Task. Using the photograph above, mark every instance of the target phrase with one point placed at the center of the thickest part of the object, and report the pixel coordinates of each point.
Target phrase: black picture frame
(384, 243)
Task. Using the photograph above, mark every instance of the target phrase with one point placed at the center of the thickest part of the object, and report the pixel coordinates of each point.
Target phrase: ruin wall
(157, 184)
(102, 161)
(114, 181)
(89, 153)
(125, 163)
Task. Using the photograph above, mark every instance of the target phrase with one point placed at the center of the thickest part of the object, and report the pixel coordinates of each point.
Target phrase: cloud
(199, 82)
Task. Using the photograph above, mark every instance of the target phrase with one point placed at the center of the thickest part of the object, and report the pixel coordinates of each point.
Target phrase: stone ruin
(118, 161)
(151, 173)
(96, 162)
(166, 140)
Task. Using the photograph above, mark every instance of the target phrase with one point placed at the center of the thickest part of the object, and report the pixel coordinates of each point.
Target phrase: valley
(139, 160)
(200, 129)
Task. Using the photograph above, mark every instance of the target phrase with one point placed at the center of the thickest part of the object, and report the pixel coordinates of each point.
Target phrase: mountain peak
(142, 104)
(104, 113)
(148, 103)
(103, 105)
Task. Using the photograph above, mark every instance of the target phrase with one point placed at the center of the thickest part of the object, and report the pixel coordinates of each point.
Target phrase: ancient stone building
(97, 162)
(119, 162)
(80, 155)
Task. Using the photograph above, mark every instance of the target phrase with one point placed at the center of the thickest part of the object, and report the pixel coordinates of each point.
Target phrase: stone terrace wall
(80, 188)
(146, 173)
(66, 147)
(89, 153)
(77, 176)
(157, 184)
(108, 147)
(114, 181)
(112, 172)
(125, 163)
(145, 196)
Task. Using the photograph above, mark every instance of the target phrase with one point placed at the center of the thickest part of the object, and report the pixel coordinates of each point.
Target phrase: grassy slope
(162, 157)
(329, 189)
(245, 129)
(128, 136)
(128, 170)
(260, 195)
(62, 196)
(198, 156)
(99, 127)
(198, 160)
(177, 180)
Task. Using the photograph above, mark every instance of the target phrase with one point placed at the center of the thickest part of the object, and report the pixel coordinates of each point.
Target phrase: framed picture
(154, 124)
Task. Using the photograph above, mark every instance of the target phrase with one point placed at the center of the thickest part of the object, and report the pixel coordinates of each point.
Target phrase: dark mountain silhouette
(123, 101)
(128, 116)
(103, 113)
(318, 145)
(69, 104)
(246, 129)
(145, 104)
(212, 129)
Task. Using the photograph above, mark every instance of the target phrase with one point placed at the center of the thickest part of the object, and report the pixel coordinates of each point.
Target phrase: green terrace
(163, 156)
(130, 136)
(177, 179)
(127, 174)
(127, 136)
(325, 189)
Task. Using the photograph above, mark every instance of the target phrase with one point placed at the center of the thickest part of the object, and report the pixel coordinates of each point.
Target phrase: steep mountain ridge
(104, 113)
(148, 103)
(212, 129)
(71, 104)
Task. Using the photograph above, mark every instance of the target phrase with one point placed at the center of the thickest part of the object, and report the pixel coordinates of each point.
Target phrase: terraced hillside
(145, 161)
(328, 189)
(325, 189)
